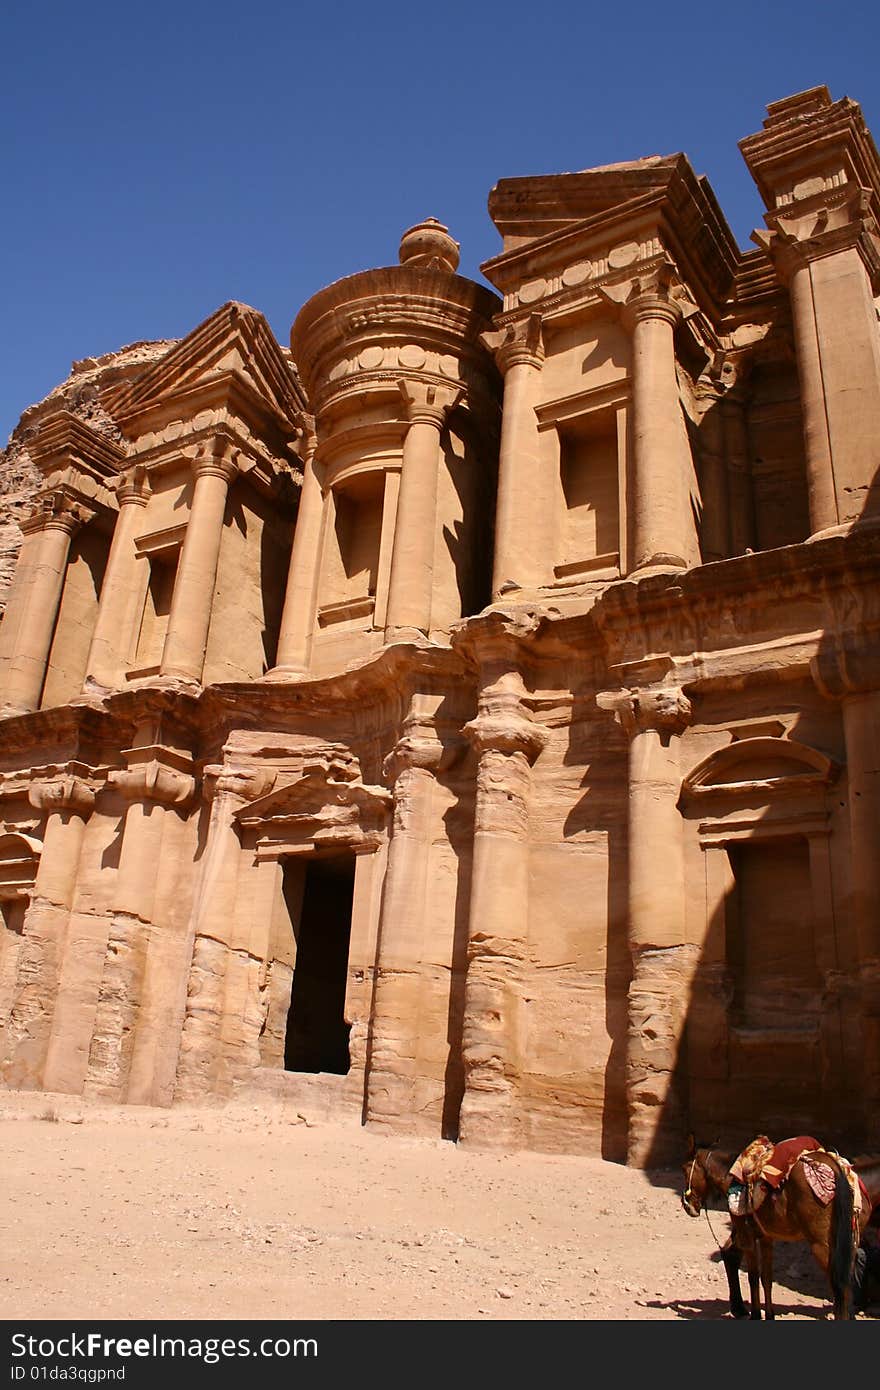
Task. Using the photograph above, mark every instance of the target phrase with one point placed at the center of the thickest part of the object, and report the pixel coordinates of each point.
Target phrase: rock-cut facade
(467, 722)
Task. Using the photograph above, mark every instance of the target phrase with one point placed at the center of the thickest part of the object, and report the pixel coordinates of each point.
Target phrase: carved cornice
(65, 440)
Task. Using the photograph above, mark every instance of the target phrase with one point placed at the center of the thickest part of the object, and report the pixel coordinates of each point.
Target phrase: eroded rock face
(82, 395)
(467, 722)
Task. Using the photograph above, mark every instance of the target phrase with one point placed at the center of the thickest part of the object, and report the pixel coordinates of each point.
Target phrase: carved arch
(769, 767)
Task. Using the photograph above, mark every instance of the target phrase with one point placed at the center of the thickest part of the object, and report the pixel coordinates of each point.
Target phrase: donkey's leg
(732, 1257)
(766, 1247)
(754, 1285)
(744, 1239)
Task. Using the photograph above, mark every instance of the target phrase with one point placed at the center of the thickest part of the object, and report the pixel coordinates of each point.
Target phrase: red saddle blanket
(763, 1162)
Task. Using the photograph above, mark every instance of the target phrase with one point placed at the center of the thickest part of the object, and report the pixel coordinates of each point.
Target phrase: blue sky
(159, 159)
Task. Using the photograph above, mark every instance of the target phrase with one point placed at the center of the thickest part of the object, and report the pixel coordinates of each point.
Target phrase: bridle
(688, 1192)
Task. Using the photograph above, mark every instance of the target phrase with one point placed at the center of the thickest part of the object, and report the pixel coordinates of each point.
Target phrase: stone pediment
(19, 861)
(327, 806)
(526, 208)
(769, 766)
(235, 343)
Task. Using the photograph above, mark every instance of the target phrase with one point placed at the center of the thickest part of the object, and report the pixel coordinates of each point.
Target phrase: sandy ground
(238, 1213)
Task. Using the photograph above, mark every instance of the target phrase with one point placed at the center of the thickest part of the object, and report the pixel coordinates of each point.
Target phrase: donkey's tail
(843, 1245)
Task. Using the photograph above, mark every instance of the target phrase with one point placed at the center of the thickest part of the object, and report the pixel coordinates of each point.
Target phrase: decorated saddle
(763, 1167)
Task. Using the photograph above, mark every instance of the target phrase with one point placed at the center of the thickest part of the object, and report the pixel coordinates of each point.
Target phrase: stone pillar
(302, 577)
(201, 1001)
(415, 532)
(394, 1034)
(519, 352)
(816, 167)
(120, 591)
(155, 782)
(186, 640)
(715, 512)
(29, 621)
(67, 802)
(663, 531)
(838, 355)
(662, 963)
(507, 742)
(740, 487)
(848, 670)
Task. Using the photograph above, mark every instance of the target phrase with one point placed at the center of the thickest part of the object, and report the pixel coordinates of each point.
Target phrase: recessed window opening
(157, 608)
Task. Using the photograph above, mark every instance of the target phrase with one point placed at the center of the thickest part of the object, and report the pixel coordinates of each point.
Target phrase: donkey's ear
(691, 1145)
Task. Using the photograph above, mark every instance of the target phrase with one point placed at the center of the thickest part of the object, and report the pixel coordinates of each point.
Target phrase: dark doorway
(319, 901)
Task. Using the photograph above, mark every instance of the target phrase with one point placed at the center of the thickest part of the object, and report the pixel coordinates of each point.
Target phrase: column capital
(245, 784)
(665, 709)
(847, 663)
(155, 773)
(57, 511)
(657, 292)
(305, 439)
(219, 459)
(133, 488)
(419, 746)
(64, 793)
(427, 404)
(517, 343)
(730, 370)
(504, 724)
(822, 224)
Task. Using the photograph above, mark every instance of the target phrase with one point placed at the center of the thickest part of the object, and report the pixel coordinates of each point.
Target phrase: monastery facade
(468, 723)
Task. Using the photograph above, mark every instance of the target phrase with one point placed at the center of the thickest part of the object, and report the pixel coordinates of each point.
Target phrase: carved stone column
(202, 1000)
(29, 622)
(156, 781)
(742, 530)
(507, 742)
(120, 591)
(186, 640)
(394, 1034)
(412, 559)
(67, 801)
(519, 352)
(838, 358)
(816, 167)
(302, 576)
(848, 669)
(714, 533)
(661, 961)
(663, 530)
